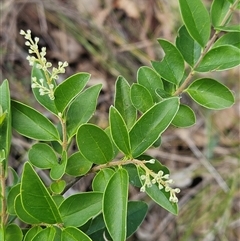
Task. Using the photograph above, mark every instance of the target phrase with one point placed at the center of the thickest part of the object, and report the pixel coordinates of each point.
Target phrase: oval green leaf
(228, 39)
(101, 179)
(58, 170)
(82, 108)
(13, 232)
(77, 209)
(77, 165)
(189, 48)
(211, 94)
(13, 193)
(171, 68)
(151, 80)
(220, 58)
(58, 186)
(35, 198)
(123, 103)
(42, 156)
(185, 117)
(115, 205)
(196, 18)
(31, 123)
(94, 144)
(31, 233)
(231, 28)
(47, 234)
(119, 131)
(141, 97)
(151, 124)
(74, 234)
(69, 89)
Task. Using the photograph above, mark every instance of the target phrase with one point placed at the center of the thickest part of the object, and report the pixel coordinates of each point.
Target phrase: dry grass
(108, 38)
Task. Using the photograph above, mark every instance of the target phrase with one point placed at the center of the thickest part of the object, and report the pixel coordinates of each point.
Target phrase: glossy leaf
(151, 80)
(82, 109)
(31, 123)
(123, 103)
(228, 39)
(196, 18)
(58, 169)
(220, 58)
(115, 205)
(74, 234)
(31, 233)
(5, 115)
(161, 197)
(44, 100)
(151, 124)
(218, 11)
(171, 68)
(58, 186)
(77, 209)
(189, 48)
(94, 144)
(230, 28)
(35, 198)
(13, 232)
(185, 117)
(136, 213)
(119, 131)
(69, 89)
(46, 234)
(13, 193)
(211, 94)
(133, 175)
(141, 97)
(42, 156)
(78, 165)
(101, 179)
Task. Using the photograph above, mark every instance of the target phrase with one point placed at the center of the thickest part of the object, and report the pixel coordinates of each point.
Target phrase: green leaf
(31, 123)
(151, 80)
(220, 58)
(78, 165)
(119, 131)
(151, 124)
(228, 39)
(31, 233)
(35, 198)
(58, 186)
(101, 180)
(123, 103)
(69, 89)
(74, 234)
(115, 205)
(141, 97)
(44, 100)
(136, 213)
(161, 197)
(231, 28)
(210, 94)
(13, 193)
(185, 117)
(94, 144)
(42, 156)
(58, 170)
(46, 234)
(218, 11)
(5, 115)
(189, 48)
(82, 108)
(196, 18)
(77, 209)
(13, 232)
(133, 175)
(171, 68)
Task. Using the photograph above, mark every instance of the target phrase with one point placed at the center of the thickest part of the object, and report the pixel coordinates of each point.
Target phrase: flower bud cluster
(46, 87)
(162, 180)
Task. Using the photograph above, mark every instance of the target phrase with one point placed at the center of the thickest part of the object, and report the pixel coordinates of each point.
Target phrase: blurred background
(108, 38)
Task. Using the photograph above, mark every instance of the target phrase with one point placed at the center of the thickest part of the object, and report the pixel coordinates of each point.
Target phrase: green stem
(64, 133)
(206, 49)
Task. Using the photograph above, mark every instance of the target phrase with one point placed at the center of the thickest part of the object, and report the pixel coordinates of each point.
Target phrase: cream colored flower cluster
(162, 180)
(45, 86)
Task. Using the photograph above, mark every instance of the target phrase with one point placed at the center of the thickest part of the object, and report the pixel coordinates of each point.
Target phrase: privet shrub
(141, 112)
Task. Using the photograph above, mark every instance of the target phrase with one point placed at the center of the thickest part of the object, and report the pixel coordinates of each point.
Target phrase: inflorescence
(45, 86)
(161, 179)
